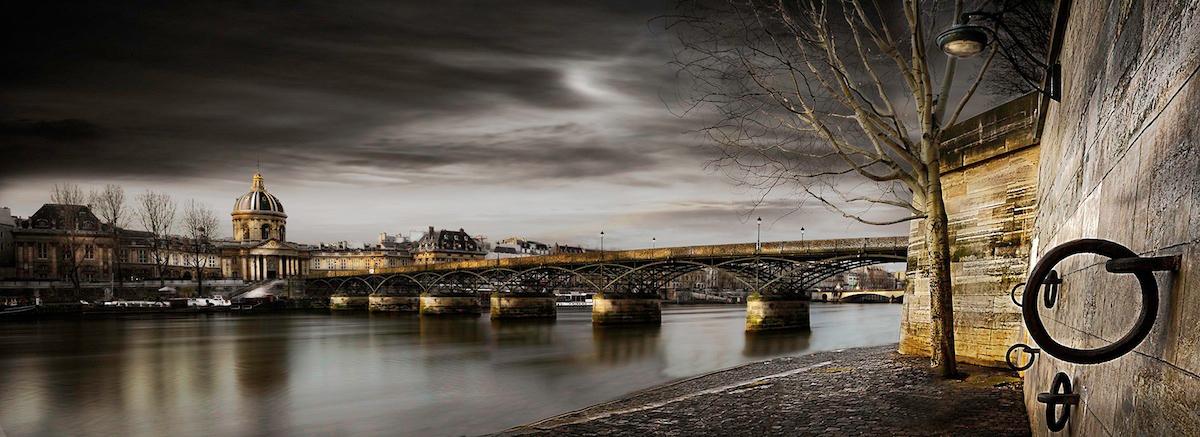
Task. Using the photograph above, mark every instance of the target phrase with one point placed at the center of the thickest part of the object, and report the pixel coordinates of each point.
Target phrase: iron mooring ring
(1024, 348)
(1123, 261)
(1013, 293)
(1060, 394)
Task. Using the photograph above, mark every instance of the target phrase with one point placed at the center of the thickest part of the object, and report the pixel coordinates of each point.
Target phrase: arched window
(282, 233)
(266, 231)
(245, 232)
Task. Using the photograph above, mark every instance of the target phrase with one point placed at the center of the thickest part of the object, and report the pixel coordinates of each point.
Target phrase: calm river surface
(359, 374)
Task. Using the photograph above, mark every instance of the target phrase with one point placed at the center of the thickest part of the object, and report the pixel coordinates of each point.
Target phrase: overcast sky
(538, 119)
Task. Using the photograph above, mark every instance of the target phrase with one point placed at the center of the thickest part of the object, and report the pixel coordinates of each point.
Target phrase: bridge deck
(814, 249)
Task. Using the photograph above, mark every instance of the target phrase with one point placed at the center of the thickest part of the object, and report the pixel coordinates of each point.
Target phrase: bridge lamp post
(802, 234)
(757, 251)
(653, 243)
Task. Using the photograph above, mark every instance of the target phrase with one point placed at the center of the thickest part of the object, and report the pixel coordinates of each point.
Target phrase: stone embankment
(865, 391)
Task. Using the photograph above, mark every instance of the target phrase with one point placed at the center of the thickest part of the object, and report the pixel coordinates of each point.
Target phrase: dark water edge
(377, 374)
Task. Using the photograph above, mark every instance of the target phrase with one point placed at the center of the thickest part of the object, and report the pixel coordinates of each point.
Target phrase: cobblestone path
(865, 391)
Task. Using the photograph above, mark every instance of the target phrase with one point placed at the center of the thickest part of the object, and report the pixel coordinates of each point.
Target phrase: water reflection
(439, 330)
(622, 344)
(769, 344)
(533, 332)
(378, 374)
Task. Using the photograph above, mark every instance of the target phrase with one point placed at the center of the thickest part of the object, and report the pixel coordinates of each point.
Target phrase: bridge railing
(813, 247)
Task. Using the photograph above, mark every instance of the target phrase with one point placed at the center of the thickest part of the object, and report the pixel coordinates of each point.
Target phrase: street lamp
(653, 243)
(757, 251)
(601, 245)
(802, 234)
(758, 240)
(964, 40)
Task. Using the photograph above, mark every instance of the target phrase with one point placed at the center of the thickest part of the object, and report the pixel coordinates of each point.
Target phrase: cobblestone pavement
(866, 391)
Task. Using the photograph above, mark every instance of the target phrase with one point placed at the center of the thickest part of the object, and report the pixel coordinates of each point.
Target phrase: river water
(360, 374)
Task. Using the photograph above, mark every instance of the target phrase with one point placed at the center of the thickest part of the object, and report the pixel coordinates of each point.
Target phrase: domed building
(260, 250)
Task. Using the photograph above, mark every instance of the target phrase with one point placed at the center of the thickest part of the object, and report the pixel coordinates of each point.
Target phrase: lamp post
(757, 251)
(601, 245)
(964, 40)
(653, 243)
(802, 234)
(758, 240)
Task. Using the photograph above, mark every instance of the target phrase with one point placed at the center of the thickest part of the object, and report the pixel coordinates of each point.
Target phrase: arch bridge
(774, 268)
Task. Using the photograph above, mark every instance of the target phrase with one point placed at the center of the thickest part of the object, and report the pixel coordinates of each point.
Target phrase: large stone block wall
(990, 167)
(1121, 161)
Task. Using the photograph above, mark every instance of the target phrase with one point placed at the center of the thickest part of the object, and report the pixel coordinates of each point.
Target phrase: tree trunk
(941, 303)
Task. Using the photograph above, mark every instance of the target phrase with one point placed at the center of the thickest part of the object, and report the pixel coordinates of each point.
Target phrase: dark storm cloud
(188, 88)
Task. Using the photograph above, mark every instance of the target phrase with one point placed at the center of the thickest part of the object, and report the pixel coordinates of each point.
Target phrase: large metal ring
(1131, 340)
(1024, 348)
(1060, 394)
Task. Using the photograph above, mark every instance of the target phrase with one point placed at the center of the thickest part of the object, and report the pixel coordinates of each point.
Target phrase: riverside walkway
(864, 391)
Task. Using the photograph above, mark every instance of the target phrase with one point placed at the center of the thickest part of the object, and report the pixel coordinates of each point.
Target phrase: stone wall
(1120, 162)
(989, 167)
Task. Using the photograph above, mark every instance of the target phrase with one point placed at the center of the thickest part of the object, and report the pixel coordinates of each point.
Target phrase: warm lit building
(521, 246)
(344, 256)
(446, 246)
(259, 249)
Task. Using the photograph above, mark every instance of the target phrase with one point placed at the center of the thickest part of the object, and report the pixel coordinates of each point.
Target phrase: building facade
(446, 246)
(259, 249)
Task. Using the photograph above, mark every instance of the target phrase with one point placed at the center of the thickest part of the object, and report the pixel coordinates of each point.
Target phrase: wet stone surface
(864, 391)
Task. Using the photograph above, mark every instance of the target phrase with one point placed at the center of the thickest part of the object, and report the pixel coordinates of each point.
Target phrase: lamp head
(759, 220)
(963, 40)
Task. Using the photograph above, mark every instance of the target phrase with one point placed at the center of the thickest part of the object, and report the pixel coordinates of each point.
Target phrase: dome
(258, 200)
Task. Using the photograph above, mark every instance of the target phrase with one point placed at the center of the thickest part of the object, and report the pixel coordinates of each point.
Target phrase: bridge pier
(625, 310)
(506, 306)
(340, 302)
(393, 303)
(450, 305)
(776, 312)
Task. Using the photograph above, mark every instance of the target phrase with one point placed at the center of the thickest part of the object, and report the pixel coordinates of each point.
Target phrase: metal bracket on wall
(1123, 261)
(1060, 394)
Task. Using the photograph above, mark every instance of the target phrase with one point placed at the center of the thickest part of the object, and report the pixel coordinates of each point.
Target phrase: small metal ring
(1060, 389)
(1037, 330)
(1013, 293)
(1053, 283)
(1025, 348)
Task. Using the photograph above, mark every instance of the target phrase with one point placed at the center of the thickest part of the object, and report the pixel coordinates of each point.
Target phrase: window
(89, 251)
(142, 256)
(343, 263)
(266, 231)
(66, 255)
(42, 250)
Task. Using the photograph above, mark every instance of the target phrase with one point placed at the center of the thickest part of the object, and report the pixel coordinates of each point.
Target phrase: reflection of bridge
(854, 296)
(780, 267)
(627, 283)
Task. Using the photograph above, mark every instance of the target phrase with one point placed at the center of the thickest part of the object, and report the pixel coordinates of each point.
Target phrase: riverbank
(862, 391)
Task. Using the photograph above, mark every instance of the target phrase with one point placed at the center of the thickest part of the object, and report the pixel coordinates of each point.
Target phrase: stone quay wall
(990, 170)
(1120, 161)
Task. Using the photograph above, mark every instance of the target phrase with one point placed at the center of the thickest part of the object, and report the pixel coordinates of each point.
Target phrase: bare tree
(201, 227)
(78, 229)
(836, 101)
(1028, 24)
(156, 212)
(109, 204)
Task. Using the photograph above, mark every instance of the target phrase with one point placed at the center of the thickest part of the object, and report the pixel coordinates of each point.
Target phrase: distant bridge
(859, 296)
(776, 268)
